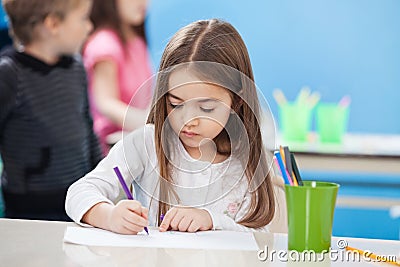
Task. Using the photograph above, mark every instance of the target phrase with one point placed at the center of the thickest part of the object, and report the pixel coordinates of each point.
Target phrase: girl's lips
(189, 134)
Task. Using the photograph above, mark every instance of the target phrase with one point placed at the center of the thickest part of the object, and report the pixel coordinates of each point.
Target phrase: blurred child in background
(46, 131)
(117, 62)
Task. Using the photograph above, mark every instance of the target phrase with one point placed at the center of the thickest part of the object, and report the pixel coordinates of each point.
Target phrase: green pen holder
(295, 121)
(310, 210)
(331, 122)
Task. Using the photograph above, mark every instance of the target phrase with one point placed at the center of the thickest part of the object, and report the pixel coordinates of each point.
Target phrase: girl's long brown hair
(104, 14)
(217, 41)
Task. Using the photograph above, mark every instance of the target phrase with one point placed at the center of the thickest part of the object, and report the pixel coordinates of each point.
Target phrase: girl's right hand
(128, 217)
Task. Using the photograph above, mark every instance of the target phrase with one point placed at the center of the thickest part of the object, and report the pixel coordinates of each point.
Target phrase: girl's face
(132, 12)
(197, 111)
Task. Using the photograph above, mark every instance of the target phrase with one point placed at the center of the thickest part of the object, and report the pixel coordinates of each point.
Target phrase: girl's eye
(207, 110)
(175, 105)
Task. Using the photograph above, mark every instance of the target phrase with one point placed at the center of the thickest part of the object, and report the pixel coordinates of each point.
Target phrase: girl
(200, 159)
(117, 62)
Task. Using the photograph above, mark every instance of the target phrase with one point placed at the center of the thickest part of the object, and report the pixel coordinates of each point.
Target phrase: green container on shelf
(295, 121)
(331, 122)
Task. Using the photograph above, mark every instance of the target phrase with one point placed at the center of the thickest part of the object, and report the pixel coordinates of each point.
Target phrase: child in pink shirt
(118, 63)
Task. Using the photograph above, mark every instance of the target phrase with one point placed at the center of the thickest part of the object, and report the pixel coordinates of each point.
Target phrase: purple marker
(161, 217)
(126, 189)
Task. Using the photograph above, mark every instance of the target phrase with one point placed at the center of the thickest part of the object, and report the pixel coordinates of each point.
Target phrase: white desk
(40, 243)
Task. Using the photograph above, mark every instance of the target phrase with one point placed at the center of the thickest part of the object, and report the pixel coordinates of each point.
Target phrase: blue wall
(3, 19)
(4, 38)
(337, 47)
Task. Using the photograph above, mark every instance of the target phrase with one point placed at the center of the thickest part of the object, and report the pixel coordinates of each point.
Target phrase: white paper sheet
(225, 240)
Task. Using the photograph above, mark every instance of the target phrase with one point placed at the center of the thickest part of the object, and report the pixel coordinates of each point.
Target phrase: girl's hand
(128, 217)
(186, 220)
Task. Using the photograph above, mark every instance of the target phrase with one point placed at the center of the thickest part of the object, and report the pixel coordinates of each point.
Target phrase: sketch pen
(282, 167)
(126, 189)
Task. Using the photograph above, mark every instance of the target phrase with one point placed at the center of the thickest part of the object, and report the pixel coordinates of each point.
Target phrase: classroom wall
(337, 47)
(4, 38)
(3, 19)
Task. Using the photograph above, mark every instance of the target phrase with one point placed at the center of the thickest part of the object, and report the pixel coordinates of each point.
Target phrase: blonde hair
(25, 15)
(217, 41)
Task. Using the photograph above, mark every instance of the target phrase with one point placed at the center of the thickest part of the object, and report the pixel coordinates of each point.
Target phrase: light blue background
(337, 47)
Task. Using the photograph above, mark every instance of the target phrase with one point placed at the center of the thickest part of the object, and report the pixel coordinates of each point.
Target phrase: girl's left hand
(186, 220)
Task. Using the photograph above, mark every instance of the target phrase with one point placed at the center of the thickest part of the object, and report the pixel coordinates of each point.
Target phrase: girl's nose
(189, 117)
(89, 26)
(192, 122)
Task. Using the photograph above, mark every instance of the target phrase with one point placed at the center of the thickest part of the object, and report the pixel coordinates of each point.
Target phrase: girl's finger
(167, 219)
(176, 220)
(135, 206)
(193, 227)
(145, 213)
(135, 218)
(132, 228)
(184, 224)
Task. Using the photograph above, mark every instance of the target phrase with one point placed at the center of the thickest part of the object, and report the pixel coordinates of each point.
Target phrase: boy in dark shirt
(46, 136)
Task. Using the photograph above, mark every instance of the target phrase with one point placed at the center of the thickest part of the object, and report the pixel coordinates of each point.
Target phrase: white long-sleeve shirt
(220, 188)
